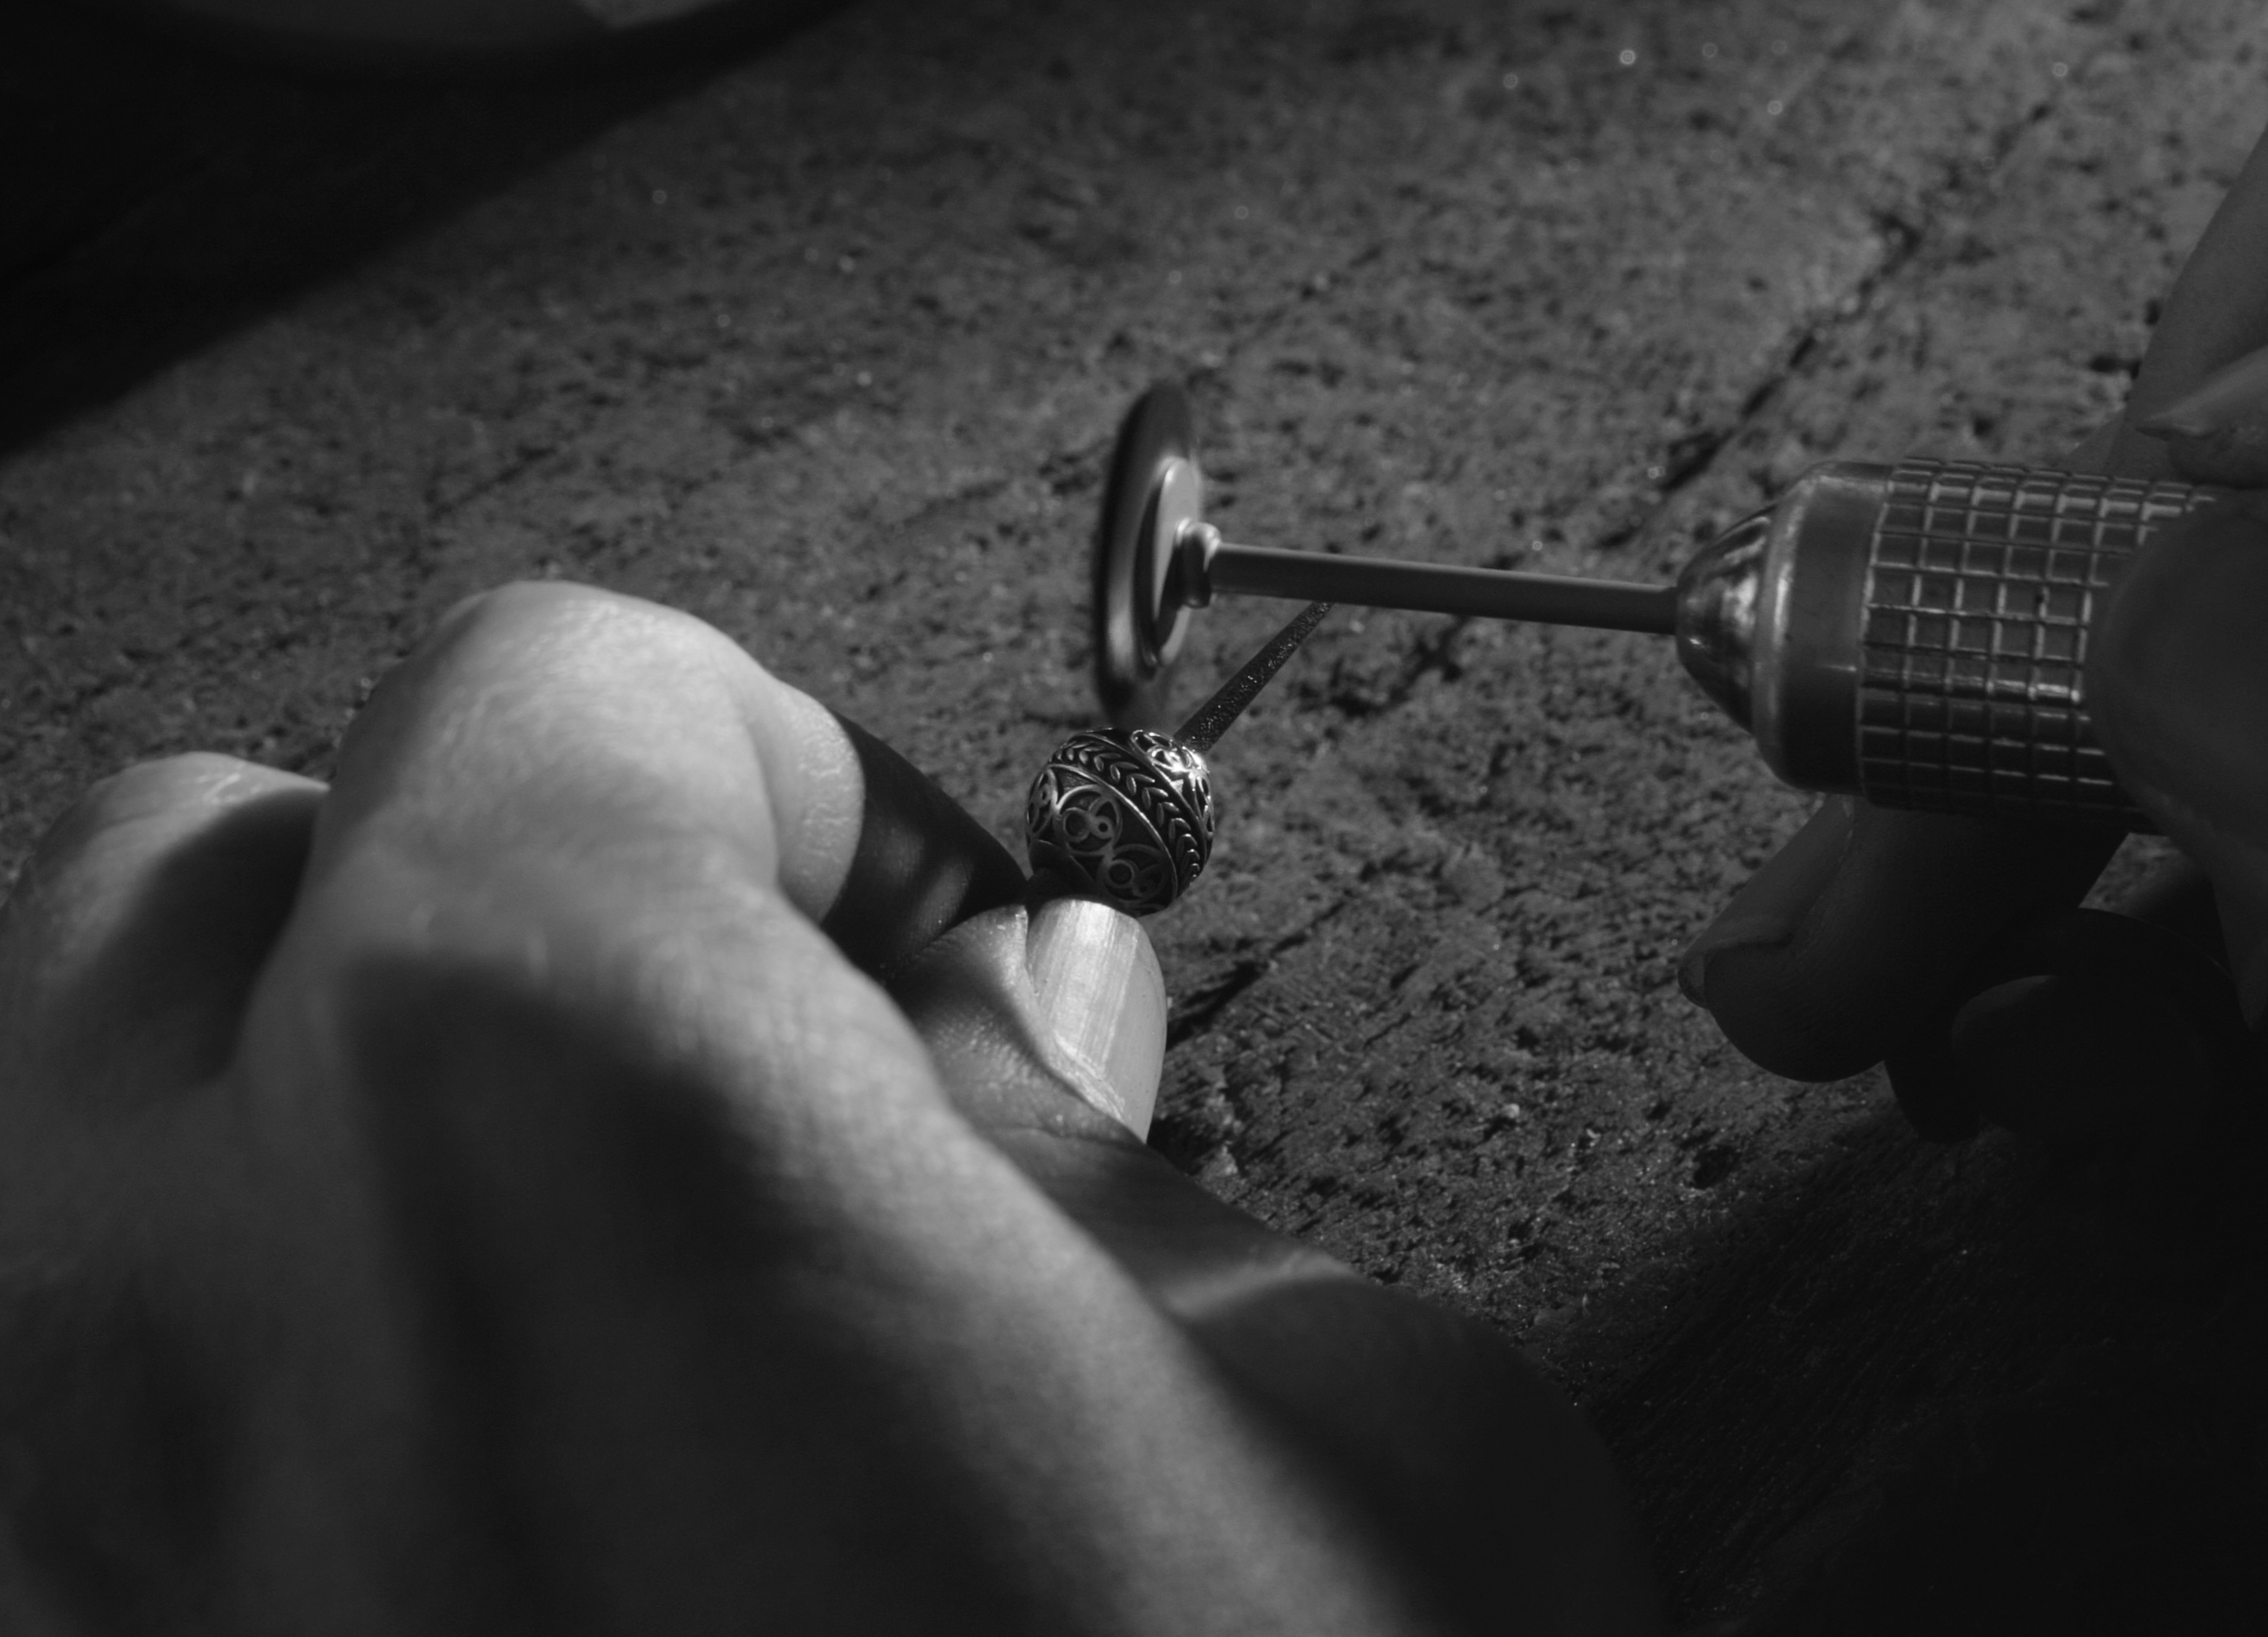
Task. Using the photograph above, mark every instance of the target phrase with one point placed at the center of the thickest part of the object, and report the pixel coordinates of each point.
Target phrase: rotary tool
(1914, 632)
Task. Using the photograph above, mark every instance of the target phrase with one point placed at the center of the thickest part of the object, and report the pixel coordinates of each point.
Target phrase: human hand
(1873, 933)
(479, 1195)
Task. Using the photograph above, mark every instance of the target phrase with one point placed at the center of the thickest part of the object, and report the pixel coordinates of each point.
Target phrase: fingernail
(1766, 914)
(1726, 934)
(1101, 992)
(2217, 432)
(2233, 396)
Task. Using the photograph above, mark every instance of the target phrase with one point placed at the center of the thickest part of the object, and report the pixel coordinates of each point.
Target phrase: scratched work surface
(825, 344)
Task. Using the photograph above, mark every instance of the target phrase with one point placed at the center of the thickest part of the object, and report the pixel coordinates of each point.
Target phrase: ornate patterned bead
(1126, 815)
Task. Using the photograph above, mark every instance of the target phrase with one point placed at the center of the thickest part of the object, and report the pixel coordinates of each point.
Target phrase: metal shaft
(1914, 632)
(1439, 587)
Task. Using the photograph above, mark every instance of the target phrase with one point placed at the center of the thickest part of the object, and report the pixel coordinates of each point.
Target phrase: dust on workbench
(827, 347)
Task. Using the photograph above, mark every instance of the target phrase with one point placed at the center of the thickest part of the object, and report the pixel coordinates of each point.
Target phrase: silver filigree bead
(1125, 815)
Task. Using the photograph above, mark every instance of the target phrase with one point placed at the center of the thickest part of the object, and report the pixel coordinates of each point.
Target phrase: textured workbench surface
(825, 344)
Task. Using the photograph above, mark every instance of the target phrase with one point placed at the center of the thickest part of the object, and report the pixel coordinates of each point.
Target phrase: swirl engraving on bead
(1127, 815)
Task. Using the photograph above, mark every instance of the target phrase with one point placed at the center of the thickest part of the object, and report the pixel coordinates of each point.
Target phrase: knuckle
(552, 616)
(162, 788)
(142, 811)
(519, 605)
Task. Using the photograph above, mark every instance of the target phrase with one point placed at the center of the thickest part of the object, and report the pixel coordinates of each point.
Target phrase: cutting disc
(1155, 491)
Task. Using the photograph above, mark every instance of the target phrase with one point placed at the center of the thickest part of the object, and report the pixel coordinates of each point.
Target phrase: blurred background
(816, 319)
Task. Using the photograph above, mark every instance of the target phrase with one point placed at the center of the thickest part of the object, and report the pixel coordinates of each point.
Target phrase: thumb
(1097, 985)
(2178, 674)
(1021, 1004)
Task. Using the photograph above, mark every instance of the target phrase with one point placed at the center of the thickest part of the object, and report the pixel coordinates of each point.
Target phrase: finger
(2070, 1060)
(2179, 677)
(2086, 1025)
(609, 718)
(135, 932)
(2217, 431)
(2216, 313)
(973, 999)
(1846, 937)
(1480, 1472)
(2089, 1025)
(1100, 993)
(737, 1290)
(856, 838)
(127, 949)
(607, 802)
(921, 863)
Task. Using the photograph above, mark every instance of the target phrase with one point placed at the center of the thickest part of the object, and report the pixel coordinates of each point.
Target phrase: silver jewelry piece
(1126, 815)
